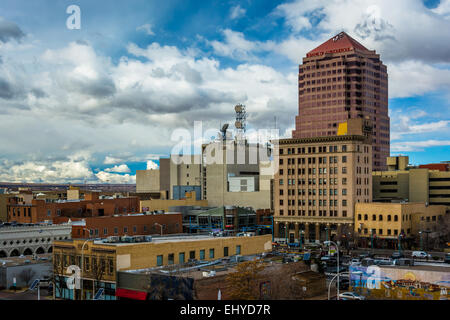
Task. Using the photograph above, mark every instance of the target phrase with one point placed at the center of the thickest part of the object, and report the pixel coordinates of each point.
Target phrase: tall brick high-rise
(340, 80)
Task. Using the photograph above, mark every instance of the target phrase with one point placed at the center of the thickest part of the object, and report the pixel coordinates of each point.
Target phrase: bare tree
(244, 282)
(27, 275)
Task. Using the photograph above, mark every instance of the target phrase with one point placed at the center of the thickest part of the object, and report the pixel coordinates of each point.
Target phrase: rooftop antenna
(241, 121)
(224, 131)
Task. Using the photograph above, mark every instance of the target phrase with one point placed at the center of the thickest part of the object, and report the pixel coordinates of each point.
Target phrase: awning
(131, 294)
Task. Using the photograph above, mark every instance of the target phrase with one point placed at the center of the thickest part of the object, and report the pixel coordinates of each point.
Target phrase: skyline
(110, 94)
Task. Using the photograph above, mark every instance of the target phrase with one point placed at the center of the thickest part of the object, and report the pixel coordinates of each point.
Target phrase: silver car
(351, 296)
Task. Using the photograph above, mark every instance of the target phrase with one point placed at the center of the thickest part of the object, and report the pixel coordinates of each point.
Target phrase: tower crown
(342, 42)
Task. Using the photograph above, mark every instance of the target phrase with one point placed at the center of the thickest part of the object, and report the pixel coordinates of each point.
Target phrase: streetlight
(421, 243)
(160, 226)
(337, 271)
(329, 286)
(302, 232)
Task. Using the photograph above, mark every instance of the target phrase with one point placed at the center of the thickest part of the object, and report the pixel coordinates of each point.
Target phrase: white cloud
(443, 9)
(107, 177)
(151, 165)
(123, 168)
(414, 78)
(237, 47)
(410, 146)
(46, 171)
(111, 160)
(237, 12)
(147, 28)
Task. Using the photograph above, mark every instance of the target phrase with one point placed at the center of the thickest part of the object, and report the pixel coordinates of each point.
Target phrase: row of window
(125, 229)
(193, 255)
(312, 192)
(94, 264)
(313, 213)
(313, 203)
(387, 233)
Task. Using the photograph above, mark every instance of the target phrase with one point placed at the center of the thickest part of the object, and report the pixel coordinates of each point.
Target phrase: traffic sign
(34, 284)
(99, 294)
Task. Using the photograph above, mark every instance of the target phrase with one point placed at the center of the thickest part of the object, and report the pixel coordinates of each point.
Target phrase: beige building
(385, 222)
(411, 184)
(165, 204)
(102, 260)
(237, 161)
(185, 174)
(319, 181)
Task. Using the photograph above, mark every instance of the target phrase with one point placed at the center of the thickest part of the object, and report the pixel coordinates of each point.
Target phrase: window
(380, 232)
(395, 218)
(366, 217)
(389, 217)
(359, 217)
(171, 258)
(211, 253)
(225, 251)
(380, 218)
(159, 260)
(202, 254)
(344, 169)
(105, 231)
(111, 266)
(191, 254)
(374, 217)
(181, 257)
(125, 229)
(344, 159)
(134, 229)
(86, 263)
(238, 249)
(116, 230)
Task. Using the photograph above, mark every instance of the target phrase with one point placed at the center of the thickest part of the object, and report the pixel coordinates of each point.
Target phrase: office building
(340, 80)
(319, 181)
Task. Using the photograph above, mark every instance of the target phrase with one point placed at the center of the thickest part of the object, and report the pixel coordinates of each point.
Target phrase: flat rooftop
(165, 239)
(26, 260)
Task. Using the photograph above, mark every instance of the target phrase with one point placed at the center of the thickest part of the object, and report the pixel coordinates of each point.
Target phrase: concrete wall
(147, 181)
(8, 273)
(157, 204)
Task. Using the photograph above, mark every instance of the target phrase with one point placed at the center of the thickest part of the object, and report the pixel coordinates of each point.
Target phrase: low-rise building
(27, 240)
(164, 205)
(418, 282)
(428, 184)
(123, 225)
(203, 281)
(100, 260)
(93, 205)
(388, 224)
(24, 270)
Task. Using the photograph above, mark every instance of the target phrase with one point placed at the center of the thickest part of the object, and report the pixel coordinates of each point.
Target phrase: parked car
(404, 262)
(420, 254)
(397, 255)
(447, 257)
(366, 255)
(351, 296)
(355, 262)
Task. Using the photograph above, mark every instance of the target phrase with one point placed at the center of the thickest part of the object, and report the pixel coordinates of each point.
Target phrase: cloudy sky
(100, 102)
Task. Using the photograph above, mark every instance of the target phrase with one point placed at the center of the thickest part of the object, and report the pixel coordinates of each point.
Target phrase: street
(24, 295)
